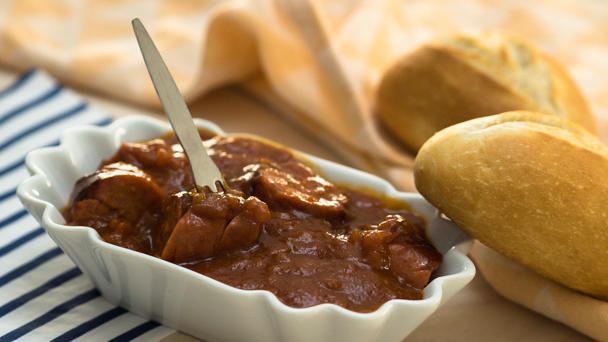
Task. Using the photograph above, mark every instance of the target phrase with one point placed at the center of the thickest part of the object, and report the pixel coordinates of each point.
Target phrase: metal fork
(204, 170)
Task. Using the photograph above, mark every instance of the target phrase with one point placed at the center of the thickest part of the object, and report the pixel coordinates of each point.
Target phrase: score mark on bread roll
(463, 77)
(531, 186)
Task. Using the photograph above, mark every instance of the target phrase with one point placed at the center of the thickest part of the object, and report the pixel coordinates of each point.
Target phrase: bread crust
(533, 187)
(462, 77)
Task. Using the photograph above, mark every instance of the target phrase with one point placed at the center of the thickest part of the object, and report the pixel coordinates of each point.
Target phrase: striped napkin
(43, 296)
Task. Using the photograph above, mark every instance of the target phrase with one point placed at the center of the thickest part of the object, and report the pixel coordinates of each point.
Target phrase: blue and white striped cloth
(43, 296)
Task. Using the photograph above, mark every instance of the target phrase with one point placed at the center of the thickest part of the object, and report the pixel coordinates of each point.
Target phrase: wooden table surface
(477, 313)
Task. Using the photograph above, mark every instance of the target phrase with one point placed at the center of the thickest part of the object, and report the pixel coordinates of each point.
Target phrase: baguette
(463, 77)
(531, 186)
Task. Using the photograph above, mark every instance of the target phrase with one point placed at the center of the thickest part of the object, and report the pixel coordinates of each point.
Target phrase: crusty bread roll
(531, 186)
(467, 76)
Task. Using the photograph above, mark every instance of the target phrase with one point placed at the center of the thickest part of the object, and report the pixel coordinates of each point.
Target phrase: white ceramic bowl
(201, 306)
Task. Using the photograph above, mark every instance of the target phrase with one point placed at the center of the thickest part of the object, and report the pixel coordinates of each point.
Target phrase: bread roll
(467, 76)
(531, 186)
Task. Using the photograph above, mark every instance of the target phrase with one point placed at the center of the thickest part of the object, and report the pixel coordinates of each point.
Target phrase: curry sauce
(280, 227)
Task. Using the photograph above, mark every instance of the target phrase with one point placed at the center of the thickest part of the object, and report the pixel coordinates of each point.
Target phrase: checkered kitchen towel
(43, 296)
